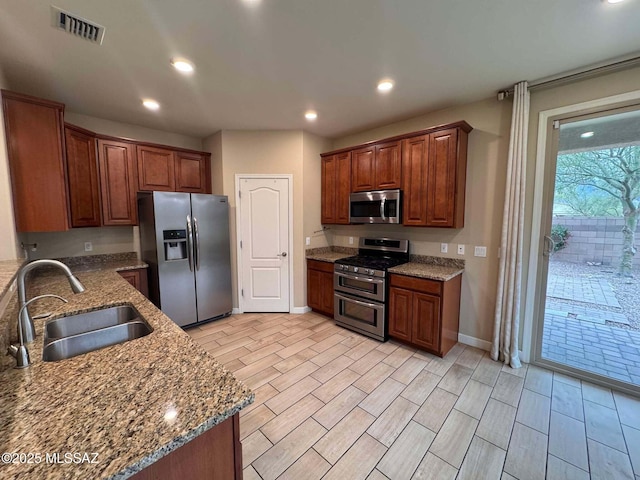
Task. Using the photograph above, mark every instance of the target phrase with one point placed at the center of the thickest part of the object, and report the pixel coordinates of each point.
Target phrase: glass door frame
(536, 280)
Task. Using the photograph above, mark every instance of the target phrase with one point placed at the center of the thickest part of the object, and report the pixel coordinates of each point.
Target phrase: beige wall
(274, 152)
(266, 152)
(134, 132)
(312, 147)
(213, 144)
(9, 248)
(486, 171)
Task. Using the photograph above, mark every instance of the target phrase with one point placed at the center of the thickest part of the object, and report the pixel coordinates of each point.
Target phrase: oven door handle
(361, 279)
(357, 302)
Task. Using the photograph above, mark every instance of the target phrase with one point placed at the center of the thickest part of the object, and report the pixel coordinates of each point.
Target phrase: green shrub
(559, 234)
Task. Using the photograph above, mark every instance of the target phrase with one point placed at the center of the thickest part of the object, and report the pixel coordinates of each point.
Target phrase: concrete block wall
(594, 239)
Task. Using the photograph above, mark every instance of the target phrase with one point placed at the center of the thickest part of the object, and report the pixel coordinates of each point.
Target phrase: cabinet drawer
(416, 284)
(319, 265)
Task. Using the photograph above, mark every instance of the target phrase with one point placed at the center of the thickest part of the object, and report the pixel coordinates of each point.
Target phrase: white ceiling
(261, 65)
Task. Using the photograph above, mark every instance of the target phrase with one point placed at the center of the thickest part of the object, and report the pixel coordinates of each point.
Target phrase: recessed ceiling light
(613, 1)
(182, 65)
(586, 134)
(385, 85)
(311, 115)
(150, 104)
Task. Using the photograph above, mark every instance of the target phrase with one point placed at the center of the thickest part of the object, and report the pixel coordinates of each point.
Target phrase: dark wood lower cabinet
(425, 313)
(320, 287)
(137, 278)
(214, 455)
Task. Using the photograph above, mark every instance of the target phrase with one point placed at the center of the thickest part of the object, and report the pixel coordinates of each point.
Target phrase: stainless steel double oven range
(360, 285)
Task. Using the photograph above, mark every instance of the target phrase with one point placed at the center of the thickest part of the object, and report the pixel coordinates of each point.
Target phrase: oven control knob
(355, 269)
(370, 272)
(345, 267)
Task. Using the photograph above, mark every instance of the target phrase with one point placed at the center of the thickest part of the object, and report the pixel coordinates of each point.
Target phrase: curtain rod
(583, 74)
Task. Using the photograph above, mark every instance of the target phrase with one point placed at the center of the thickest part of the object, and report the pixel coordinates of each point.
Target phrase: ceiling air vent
(77, 26)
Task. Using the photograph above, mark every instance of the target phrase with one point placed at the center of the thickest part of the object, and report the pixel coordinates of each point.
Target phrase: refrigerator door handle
(196, 249)
(190, 242)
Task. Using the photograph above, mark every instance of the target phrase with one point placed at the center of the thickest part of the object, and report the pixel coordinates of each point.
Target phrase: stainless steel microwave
(378, 206)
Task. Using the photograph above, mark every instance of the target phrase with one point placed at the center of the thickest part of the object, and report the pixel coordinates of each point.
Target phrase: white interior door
(264, 244)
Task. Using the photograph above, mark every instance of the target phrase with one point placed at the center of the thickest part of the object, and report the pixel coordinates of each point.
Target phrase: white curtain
(507, 318)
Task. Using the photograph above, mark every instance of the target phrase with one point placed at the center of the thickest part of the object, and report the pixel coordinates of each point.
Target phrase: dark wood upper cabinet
(336, 187)
(190, 172)
(429, 166)
(387, 166)
(363, 176)
(415, 154)
(35, 145)
(118, 184)
(156, 168)
(446, 178)
(82, 170)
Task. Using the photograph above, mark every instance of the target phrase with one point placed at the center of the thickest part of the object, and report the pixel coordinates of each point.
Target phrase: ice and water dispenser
(175, 244)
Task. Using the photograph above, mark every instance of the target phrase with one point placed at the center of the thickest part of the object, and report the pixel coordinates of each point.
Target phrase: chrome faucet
(25, 323)
(20, 352)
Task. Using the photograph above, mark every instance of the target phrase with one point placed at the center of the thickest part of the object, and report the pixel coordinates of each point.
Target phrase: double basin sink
(74, 335)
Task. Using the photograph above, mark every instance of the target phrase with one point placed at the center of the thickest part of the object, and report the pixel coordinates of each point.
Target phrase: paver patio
(576, 334)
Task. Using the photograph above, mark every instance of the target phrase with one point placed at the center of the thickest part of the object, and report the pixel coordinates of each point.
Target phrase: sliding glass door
(589, 271)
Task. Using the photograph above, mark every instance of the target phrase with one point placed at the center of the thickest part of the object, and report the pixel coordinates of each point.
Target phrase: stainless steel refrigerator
(184, 237)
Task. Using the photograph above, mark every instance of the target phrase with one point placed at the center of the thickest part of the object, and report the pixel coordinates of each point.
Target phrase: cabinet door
(326, 293)
(137, 278)
(117, 182)
(441, 185)
(388, 166)
(426, 321)
(400, 313)
(82, 169)
(343, 187)
(35, 149)
(328, 194)
(156, 168)
(363, 169)
(314, 282)
(190, 172)
(415, 153)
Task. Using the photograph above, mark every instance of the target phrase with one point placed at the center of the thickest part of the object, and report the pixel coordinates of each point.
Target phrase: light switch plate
(460, 249)
(350, 240)
(88, 246)
(307, 241)
(444, 248)
(480, 251)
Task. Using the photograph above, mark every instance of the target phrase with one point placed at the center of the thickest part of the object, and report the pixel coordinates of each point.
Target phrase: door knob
(283, 254)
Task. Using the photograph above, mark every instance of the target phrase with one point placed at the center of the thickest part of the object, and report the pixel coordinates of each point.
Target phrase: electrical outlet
(307, 241)
(480, 251)
(460, 249)
(444, 248)
(88, 246)
(350, 240)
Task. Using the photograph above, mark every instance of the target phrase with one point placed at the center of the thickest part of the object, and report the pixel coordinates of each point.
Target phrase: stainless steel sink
(87, 322)
(74, 335)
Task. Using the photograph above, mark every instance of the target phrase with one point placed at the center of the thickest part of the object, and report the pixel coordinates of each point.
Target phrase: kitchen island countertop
(127, 405)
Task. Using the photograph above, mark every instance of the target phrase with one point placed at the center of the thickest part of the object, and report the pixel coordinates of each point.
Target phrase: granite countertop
(427, 270)
(330, 254)
(130, 404)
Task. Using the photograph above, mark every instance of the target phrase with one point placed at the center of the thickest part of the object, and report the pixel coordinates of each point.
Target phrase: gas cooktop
(371, 261)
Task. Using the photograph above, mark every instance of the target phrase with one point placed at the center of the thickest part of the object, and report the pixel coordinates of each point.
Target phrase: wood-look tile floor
(333, 404)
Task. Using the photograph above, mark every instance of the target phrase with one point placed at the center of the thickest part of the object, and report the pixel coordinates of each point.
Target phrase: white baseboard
(474, 342)
(235, 311)
(300, 310)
